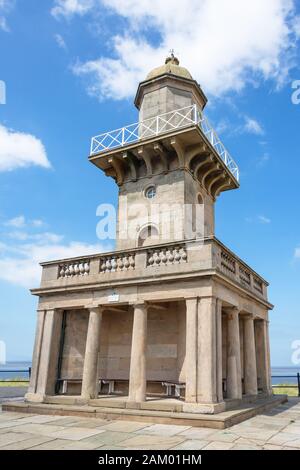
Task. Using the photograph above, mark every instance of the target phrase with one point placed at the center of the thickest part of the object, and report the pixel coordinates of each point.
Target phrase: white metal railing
(162, 124)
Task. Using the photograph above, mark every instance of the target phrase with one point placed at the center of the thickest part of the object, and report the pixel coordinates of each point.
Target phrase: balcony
(162, 125)
(170, 261)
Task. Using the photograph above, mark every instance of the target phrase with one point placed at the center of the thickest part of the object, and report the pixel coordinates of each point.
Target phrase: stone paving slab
(27, 443)
(108, 438)
(125, 426)
(197, 433)
(11, 437)
(218, 446)
(191, 445)
(89, 423)
(76, 434)
(148, 442)
(163, 430)
(55, 444)
(278, 429)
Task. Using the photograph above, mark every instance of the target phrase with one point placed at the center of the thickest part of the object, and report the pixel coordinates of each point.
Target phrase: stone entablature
(189, 259)
(187, 148)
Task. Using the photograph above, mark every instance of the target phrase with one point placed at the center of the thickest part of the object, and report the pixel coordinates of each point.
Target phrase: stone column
(191, 362)
(45, 358)
(263, 355)
(206, 383)
(268, 359)
(219, 361)
(137, 378)
(90, 377)
(234, 380)
(36, 356)
(250, 371)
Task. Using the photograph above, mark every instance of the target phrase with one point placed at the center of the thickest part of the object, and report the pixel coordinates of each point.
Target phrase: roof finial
(171, 58)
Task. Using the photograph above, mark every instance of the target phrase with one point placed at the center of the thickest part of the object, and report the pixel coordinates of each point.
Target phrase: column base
(34, 397)
(204, 408)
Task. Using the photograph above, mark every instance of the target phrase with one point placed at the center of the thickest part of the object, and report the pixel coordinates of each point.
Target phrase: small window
(148, 236)
(200, 199)
(150, 192)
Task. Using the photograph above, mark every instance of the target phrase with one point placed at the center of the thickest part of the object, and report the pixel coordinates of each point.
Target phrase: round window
(150, 192)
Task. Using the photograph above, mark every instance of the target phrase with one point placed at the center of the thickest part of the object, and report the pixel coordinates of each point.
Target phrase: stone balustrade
(74, 268)
(245, 276)
(228, 263)
(207, 256)
(114, 263)
(258, 285)
(232, 267)
(166, 256)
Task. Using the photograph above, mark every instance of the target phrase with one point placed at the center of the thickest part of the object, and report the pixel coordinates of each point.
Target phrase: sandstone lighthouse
(163, 325)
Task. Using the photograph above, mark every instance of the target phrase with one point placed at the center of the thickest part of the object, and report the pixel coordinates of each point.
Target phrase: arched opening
(200, 199)
(148, 236)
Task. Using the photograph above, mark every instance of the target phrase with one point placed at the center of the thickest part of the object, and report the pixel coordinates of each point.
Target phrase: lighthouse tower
(172, 312)
(172, 155)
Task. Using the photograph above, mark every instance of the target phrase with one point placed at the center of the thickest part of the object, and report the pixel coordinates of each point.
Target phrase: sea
(287, 375)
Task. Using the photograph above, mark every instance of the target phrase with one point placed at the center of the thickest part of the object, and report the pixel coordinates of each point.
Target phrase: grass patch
(286, 389)
(14, 382)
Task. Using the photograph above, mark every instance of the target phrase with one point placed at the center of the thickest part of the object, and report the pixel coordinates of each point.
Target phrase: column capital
(208, 298)
(191, 300)
(139, 304)
(233, 312)
(248, 316)
(95, 308)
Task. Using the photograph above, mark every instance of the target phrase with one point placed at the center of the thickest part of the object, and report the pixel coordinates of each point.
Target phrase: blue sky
(71, 68)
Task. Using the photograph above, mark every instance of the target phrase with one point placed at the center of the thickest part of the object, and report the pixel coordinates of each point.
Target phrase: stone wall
(115, 344)
(163, 101)
(166, 343)
(165, 349)
(74, 344)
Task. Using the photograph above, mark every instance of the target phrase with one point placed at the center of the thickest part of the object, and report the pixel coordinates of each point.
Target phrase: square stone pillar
(250, 370)
(234, 378)
(219, 345)
(137, 377)
(207, 351)
(191, 356)
(45, 355)
(263, 355)
(90, 379)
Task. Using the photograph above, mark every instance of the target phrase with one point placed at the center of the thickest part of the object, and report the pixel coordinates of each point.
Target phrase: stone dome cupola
(171, 66)
(167, 88)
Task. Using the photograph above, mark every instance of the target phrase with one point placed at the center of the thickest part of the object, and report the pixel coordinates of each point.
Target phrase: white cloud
(38, 223)
(5, 7)
(226, 44)
(20, 265)
(68, 8)
(46, 237)
(296, 25)
(19, 150)
(260, 218)
(20, 221)
(60, 41)
(253, 127)
(17, 222)
(26, 246)
(297, 253)
(263, 160)
(264, 220)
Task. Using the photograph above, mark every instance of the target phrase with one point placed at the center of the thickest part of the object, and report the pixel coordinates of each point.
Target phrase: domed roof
(171, 66)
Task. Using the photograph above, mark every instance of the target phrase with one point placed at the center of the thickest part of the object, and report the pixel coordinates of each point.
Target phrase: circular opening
(150, 192)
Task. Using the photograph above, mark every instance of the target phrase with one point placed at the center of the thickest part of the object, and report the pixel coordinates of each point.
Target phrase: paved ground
(277, 429)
